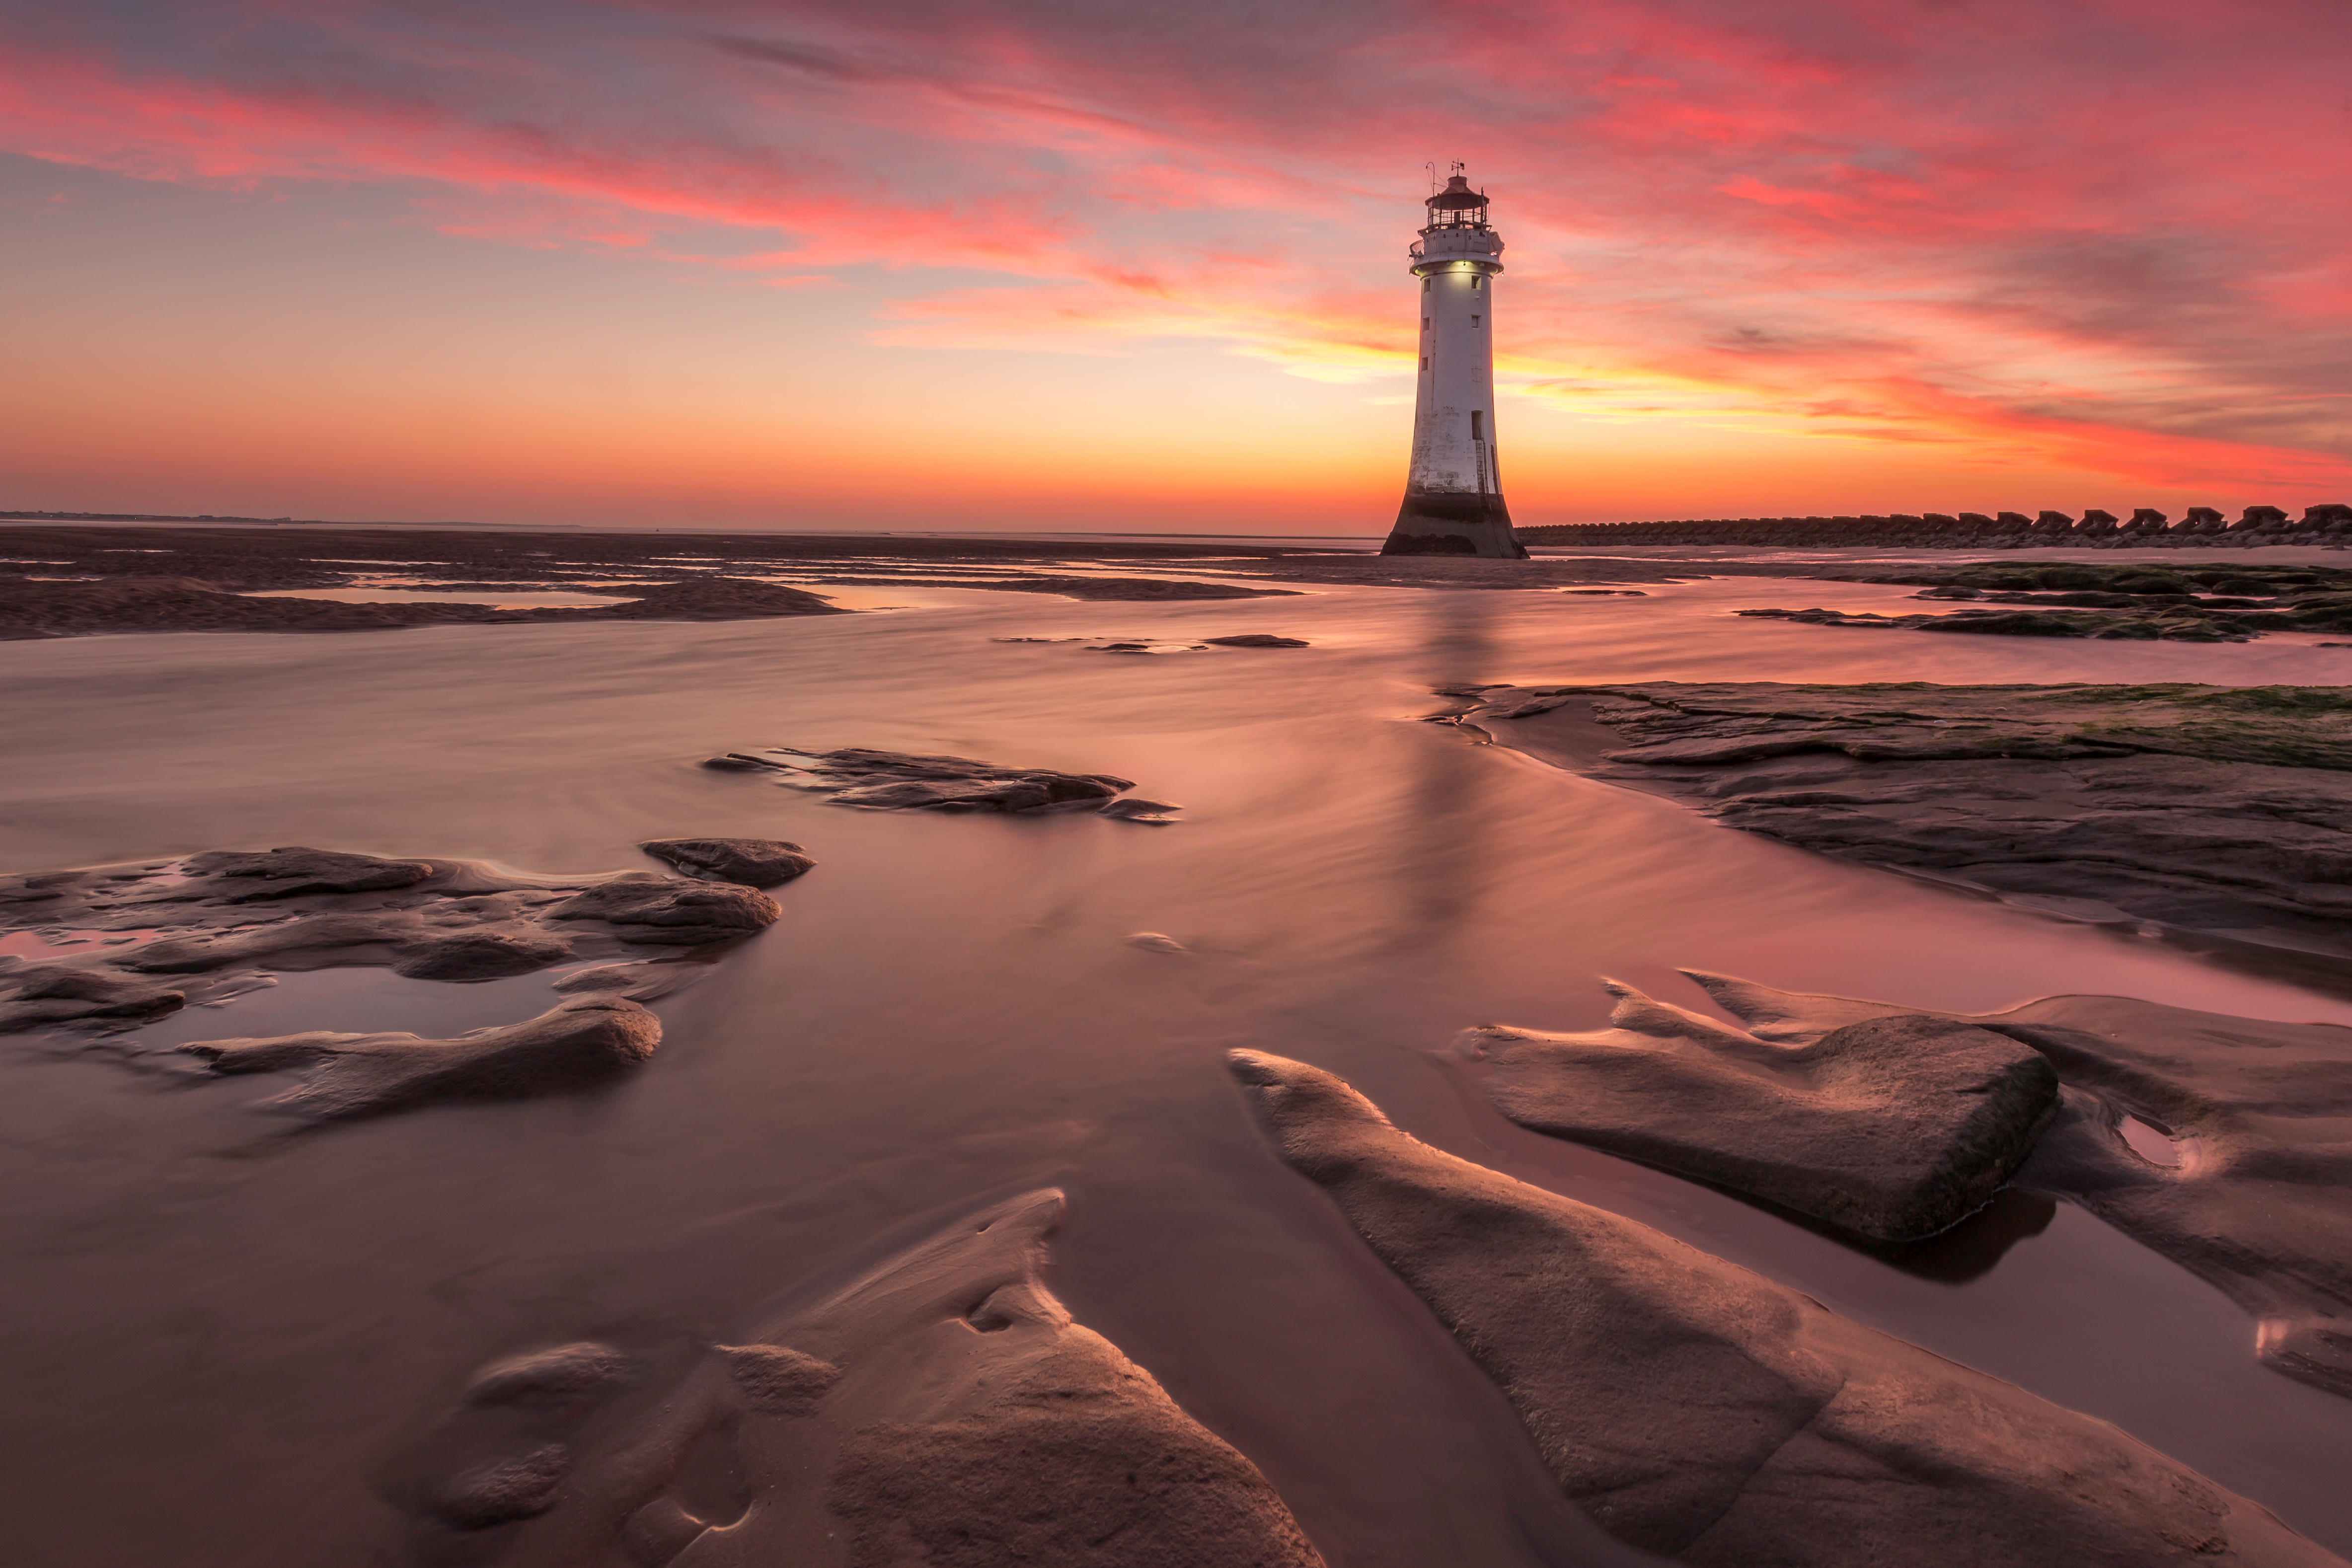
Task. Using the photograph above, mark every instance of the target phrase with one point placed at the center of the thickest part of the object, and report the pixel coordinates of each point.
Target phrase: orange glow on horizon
(565, 262)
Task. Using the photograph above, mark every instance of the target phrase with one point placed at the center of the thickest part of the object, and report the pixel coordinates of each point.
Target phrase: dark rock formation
(294, 872)
(2175, 628)
(755, 862)
(667, 911)
(1892, 1128)
(2258, 1200)
(581, 1042)
(562, 1376)
(942, 1408)
(1255, 640)
(305, 909)
(1135, 810)
(2194, 604)
(902, 781)
(1701, 1412)
(485, 954)
(2215, 808)
(33, 996)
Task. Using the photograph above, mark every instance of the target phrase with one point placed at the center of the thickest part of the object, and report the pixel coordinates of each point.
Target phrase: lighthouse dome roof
(1458, 196)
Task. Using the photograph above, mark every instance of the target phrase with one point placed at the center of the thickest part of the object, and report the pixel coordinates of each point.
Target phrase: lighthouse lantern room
(1454, 493)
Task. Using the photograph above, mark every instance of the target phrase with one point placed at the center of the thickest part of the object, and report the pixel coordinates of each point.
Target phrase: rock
(941, 1407)
(2209, 809)
(481, 955)
(505, 1490)
(718, 599)
(755, 862)
(779, 1381)
(670, 911)
(1156, 942)
(734, 763)
(904, 781)
(287, 943)
(1699, 1411)
(2259, 1198)
(449, 921)
(291, 873)
(580, 1042)
(1255, 640)
(34, 995)
(1892, 1127)
(1137, 811)
(640, 982)
(559, 1376)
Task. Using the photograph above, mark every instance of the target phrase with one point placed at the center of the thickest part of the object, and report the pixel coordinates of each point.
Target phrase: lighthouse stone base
(1439, 524)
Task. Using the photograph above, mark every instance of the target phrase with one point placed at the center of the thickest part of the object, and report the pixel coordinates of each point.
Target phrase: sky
(1075, 264)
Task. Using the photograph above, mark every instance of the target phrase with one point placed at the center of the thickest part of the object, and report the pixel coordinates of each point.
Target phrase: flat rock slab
(941, 1407)
(298, 908)
(910, 781)
(1701, 1412)
(2213, 809)
(755, 862)
(2166, 627)
(1890, 1127)
(35, 607)
(581, 1042)
(2256, 1197)
(1255, 640)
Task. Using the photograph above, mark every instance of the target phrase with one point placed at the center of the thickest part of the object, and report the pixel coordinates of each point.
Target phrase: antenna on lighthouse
(1433, 177)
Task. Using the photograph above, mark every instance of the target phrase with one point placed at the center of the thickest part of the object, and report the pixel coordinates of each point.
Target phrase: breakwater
(2199, 527)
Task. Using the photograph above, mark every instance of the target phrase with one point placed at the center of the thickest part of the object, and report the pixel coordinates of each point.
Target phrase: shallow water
(219, 1331)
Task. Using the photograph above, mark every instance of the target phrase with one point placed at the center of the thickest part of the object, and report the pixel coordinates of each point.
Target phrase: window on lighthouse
(1473, 321)
(1477, 424)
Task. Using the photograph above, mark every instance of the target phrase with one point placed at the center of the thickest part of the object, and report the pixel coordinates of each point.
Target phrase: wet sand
(221, 1344)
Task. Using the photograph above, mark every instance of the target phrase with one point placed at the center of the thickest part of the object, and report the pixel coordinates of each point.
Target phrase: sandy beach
(256, 1331)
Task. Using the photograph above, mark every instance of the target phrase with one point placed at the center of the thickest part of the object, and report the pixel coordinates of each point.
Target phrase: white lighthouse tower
(1454, 493)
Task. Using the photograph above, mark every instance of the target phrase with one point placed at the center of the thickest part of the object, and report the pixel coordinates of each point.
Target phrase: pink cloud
(2068, 227)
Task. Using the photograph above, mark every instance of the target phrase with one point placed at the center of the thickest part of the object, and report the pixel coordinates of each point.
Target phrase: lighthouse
(1454, 492)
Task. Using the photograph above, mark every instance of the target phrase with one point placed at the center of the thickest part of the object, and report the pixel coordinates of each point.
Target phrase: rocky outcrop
(2249, 1123)
(941, 1407)
(908, 781)
(1255, 640)
(577, 1044)
(298, 908)
(2108, 601)
(1699, 1411)
(1892, 1127)
(671, 912)
(2215, 809)
(755, 862)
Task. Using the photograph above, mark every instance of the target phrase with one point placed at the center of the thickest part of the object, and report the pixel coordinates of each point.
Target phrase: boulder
(2257, 1196)
(939, 1407)
(671, 910)
(755, 862)
(485, 953)
(1699, 1411)
(912, 781)
(1892, 1128)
